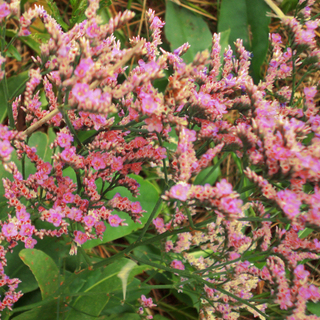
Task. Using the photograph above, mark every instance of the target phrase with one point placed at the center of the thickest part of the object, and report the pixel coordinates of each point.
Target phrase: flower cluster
(107, 128)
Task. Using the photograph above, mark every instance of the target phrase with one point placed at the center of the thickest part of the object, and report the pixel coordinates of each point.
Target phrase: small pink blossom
(147, 303)
(68, 197)
(80, 91)
(98, 163)
(180, 191)
(23, 215)
(148, 105)
(100, 227)
(154, 124)
(176, 264)
(136, 207)
(4, 10)
(117, 163)
(27, 230)
(80, 237)
(114, 220)
(55, 218)
(9, 230)
(64, 139)
(29, 243)
(89, 221)
(301, 273)
(84, 66)
(158, 222)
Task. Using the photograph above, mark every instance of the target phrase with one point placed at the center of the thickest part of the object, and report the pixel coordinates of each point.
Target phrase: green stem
(199, 279)
(178, 310)
(153, 213)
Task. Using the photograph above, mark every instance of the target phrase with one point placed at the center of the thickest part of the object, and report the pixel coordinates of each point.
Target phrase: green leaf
(259, 27)
(147, 198)
(183, 26)
(14, 89)
(78, 9)
(44, 270)
(32, 43)
(208, 175)
(13, 53)
(52, 310)
(247, 20)
(56, 14)
(314, 308)
(16, 268)
(288, 5)
(98, 287)
(304, 233)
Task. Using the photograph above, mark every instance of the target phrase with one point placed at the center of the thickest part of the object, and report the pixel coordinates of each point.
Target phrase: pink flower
(117, 163)
(114, 220)
(147, 303)
(9, 230)
(29, 243)
(27, 230)
(84, 66)
(93, 30)
(224, 188)
(158, 223)
(180, 191)
(177, 265)
(301, 273)
(5, 149)
(135, 207)
(149, 105)
(154, 124)
(80, 91)
(80, 237)
(68, 197)
(64, 139)
(23, 215)
(4, 10)
(55, 218)
(100, 227)
(97, 163)
(89, 221)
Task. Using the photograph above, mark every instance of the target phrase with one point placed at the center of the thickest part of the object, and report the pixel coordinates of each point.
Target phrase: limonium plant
(221, 240)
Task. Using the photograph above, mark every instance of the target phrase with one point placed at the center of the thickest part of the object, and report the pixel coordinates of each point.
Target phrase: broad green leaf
(147, 198)
(98, 287)
(44, 270)
(314, 308)
(247, 20)
(17, 269)
(288, 5)
(183, 26)
(234, 16)
(53, 310)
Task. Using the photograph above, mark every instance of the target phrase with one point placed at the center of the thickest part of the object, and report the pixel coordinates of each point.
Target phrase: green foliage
(247, 20)
(183, 26)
